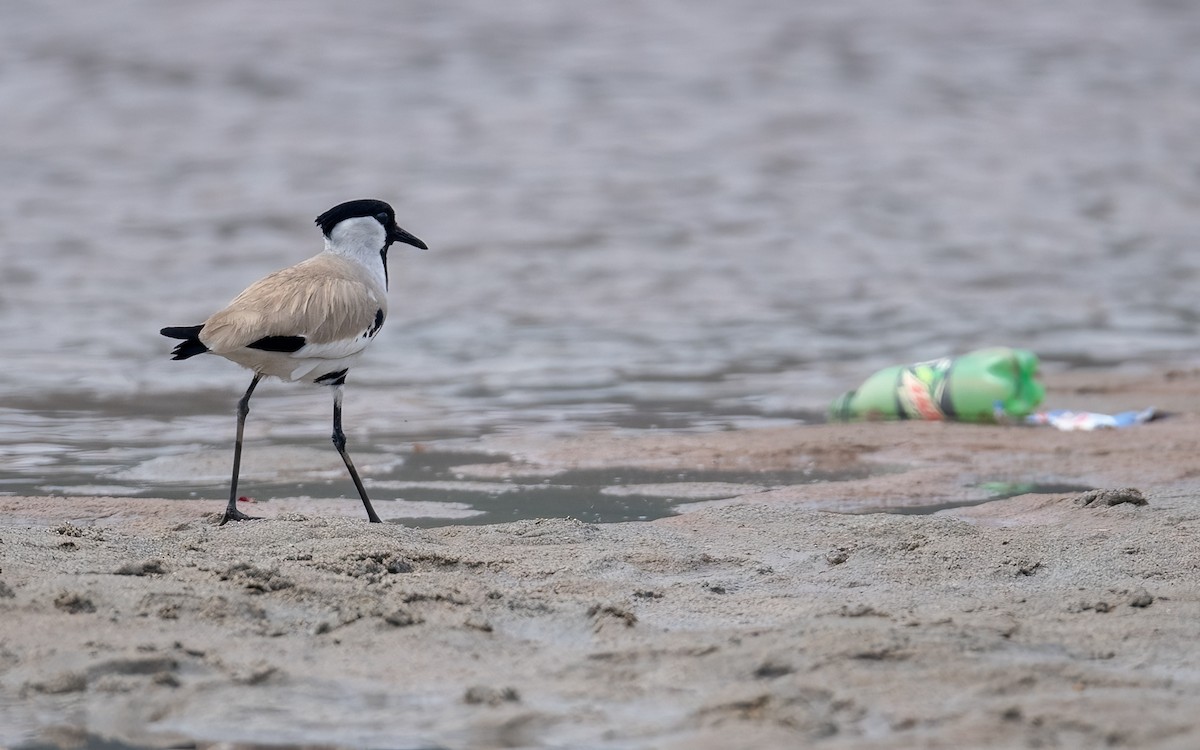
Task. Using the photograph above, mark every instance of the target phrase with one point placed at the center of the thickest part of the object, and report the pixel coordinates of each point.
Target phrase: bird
(309, 322)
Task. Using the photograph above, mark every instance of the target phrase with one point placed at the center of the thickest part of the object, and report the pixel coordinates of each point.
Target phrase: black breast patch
(374, 329)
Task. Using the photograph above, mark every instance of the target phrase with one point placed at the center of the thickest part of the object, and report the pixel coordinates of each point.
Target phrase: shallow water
(695, 215)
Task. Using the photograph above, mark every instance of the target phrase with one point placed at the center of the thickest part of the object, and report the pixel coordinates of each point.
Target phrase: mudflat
(785, 617)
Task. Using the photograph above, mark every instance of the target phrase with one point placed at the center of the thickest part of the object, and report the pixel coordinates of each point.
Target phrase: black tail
(190, 346)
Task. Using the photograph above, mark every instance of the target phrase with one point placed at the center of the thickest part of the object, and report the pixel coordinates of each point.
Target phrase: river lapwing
(310, 322)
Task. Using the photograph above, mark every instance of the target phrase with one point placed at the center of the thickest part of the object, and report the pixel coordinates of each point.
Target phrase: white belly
(298, 365)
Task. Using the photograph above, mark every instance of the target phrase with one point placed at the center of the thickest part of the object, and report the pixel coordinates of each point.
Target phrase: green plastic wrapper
(987, 385)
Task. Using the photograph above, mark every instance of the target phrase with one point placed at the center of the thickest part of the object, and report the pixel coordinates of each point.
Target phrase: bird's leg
(231, 511)
(339, 442)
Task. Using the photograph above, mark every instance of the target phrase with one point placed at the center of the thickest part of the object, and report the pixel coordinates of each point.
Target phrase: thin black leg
(339, 442)
(231, 511)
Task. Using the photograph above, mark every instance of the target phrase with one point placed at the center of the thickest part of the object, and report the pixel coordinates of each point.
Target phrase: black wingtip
(190, 346)
(188, 349)
(181, 332)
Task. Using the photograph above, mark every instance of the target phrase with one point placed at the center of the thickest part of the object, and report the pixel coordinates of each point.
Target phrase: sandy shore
(1044, 620)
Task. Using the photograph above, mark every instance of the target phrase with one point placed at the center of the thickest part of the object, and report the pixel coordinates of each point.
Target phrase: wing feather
(324, 299)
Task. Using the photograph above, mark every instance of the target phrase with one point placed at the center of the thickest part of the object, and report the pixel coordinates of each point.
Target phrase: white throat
(360, 239)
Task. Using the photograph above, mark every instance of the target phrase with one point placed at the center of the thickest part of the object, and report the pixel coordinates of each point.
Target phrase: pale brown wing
(323, 299)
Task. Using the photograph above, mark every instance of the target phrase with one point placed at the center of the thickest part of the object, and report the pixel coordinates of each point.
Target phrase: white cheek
(364, 230)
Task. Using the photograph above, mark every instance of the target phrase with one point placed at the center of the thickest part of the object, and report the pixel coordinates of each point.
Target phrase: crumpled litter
(1069, 421)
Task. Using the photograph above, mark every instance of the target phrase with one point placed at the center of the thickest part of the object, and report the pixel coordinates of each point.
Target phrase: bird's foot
(233, 514)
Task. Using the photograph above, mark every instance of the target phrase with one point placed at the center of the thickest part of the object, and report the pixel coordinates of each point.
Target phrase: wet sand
(1043, 620)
